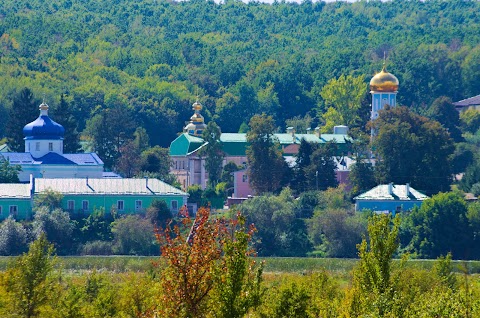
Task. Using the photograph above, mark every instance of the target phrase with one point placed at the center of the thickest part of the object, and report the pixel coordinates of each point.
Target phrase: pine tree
(23, 111)
(64, 116)
(266, 164)
(212, 152)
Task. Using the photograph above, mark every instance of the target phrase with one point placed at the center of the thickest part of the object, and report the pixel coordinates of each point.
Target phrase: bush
(158, 213)
(96, 248)
(13, 237)
(133, 235)
(56, 225)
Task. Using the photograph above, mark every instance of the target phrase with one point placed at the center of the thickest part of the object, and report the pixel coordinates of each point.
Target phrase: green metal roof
(339, 139)
(235, 144)
(14, 191)
(107, 186)
(185, 144)
(233, 137)
(399, 192)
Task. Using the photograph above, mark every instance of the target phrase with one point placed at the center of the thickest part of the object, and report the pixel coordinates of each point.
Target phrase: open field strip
(272, 264)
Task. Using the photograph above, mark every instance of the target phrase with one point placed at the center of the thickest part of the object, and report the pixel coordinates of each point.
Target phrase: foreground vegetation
(207, 273)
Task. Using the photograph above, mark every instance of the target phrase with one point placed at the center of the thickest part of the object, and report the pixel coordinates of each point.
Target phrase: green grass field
(272, 264)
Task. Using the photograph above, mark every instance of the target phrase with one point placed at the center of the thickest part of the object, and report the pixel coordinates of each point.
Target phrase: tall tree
(343, 100)
(109, 131)
(63, 115)
(305, 150)
(212, 152)
(265, 161)
(441, 226)
(443, 111)
(361, 177)
(8, 172)
(128, 164)
(156, 160)
(376, 281)
(320, 173)
(24, 110)
(29, 280)
(13, 237)
(412, 149)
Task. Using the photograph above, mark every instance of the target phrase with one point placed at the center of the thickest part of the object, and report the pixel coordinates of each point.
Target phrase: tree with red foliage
(199, 266)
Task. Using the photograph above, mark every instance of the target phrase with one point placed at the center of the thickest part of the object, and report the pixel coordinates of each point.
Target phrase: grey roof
(399, 193)
(14, 191)
(107, 186)
(472, 101)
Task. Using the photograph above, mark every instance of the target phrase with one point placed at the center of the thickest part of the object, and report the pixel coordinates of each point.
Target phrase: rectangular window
(174, 205)
(50, 146)
(70, 205)
(244, 178)
(120, 205)
(37, 146)
(85, 205)
(138, 205)
(13, 210)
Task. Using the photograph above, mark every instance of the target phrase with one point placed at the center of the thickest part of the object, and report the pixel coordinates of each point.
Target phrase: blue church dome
(43, 127)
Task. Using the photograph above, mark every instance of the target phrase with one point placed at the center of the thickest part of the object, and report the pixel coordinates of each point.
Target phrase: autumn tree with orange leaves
(199, 266)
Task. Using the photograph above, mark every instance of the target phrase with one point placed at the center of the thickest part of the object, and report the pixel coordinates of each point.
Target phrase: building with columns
(44, 157)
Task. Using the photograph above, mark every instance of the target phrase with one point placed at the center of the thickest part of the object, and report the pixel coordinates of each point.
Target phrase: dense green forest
(149, 60)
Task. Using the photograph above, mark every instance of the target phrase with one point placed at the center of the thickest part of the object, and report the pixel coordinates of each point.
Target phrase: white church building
(44, 157)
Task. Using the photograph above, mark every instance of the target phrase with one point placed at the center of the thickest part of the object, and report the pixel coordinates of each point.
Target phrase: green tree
(195, 194)
(97, 226)
(303, 160)
(443, 111)
(108, 131)
(470, 120)
(361, 177)
(320, 173)
(23, 111)
(227, 173)
(141, 139)
(279, 231)
(470, 177)
(343, 99)
(133, 235)
(374, 277)
(239, 286)
(441, 226)
(212, 152)
(28, 280)
(156, 160)
(335, 232)
(55, 225)
(49, 199)
(13, 237)
(265, 161)
(128, 164)
(159, 214)
(63, 114)
(471, 71)
(8, 172)
(412, 149)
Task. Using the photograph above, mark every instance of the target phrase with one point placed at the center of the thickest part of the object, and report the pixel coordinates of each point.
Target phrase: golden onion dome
(43, 106)
(384, 82)
(197, 118)
(197, 106)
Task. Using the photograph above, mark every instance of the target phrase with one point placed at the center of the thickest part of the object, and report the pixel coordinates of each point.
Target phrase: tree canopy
(412, 149)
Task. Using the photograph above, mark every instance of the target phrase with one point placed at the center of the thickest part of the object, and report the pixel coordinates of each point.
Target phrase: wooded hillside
(151, 58)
